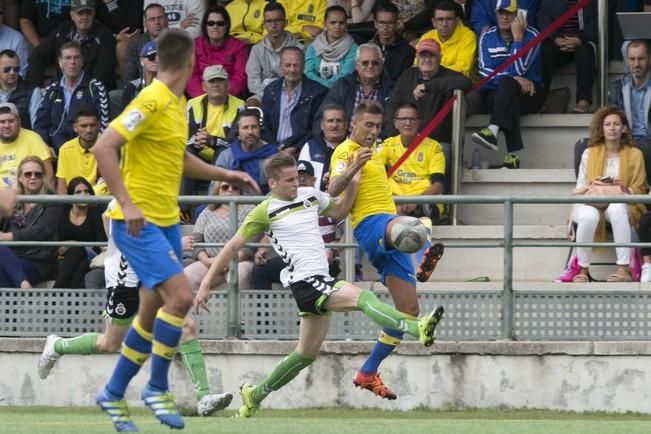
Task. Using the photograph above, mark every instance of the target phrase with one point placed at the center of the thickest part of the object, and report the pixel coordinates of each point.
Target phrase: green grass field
(14, 420)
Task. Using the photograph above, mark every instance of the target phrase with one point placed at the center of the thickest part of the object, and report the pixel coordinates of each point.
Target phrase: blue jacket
(303, 116)
(493, 52)
(54, 123)
(551, 10)
(619, 95)
(483, 13)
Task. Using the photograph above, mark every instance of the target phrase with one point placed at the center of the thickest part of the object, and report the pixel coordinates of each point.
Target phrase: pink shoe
(571, 270)
(635, 267)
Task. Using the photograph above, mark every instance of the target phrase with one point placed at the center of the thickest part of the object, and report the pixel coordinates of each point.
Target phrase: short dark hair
(151, 6)
(334, 107)
(406, 105)
(385, 6)
(335, 8)
(9, 53)
(368, 106)
(70, 45)
(446, 5)
(248, 112)
(74, 182)
(174, 49)
(270, 7)
(216, 9)
(633, 43)
(86, 110)
(276, 163)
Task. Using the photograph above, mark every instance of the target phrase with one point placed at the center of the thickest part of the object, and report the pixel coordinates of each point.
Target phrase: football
(408, 234)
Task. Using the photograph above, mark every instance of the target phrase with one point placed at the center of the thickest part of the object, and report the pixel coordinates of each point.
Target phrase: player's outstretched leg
(283, 373)
(55, 347)
(207, 403)
(117, 409)
(427, 265)
(48, 358)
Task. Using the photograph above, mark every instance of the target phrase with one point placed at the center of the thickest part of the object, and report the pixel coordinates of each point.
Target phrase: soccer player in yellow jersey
(373, 214)
(151, 136)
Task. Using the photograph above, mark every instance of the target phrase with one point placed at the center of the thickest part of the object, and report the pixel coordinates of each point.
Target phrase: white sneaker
(48, 358)
(213, 402)
(645, 276)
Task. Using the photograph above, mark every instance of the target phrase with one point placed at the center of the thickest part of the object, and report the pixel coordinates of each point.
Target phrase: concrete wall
(576, 376)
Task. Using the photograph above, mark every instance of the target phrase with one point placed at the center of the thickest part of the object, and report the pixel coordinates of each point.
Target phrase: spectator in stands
(263, 65)
(290, 104)
(304, 17)
(367, 82)
(331, 55)
(95, 40)
(79, 222)
(422, 173)
(357, 11)
(415, 17)
(216, 47)
(15, 90)
(318, 150)
(213, 226)
(75, 156)
(248, 152)
(464, 8)
(24, 267)
(154, 21)
(12, 40)
(61, 99)
(483, 13)
(17, 143)
(210, 119)
(185, 14)
(515, 91)
(39, 19)
(398, 54)
(149, 67)
(573, 41)
(247, 18)
(611, 159)
(268, 264)
(458, 43)
(7, 201)
(428, 85)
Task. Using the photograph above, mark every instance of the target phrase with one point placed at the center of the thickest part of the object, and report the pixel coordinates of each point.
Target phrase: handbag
(598, 188)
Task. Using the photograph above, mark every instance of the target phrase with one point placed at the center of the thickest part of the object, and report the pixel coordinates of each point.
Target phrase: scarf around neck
(249, 162)
(332, 52)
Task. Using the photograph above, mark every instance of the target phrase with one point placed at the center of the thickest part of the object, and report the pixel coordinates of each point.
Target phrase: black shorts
(311, 292)
(121, 304)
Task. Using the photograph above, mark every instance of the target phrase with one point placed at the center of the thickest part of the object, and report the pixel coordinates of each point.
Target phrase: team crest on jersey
(79, 94)
(310, 9)
(256, 14)
(120, 309)
(133, 119)
(420, 157)
(307, 203)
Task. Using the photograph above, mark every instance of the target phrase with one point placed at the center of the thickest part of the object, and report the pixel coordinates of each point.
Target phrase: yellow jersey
(373, 193)
(459, 52)
(413, 175)
(155, 128)
(303, 13)
(27, 143)
(76, 161)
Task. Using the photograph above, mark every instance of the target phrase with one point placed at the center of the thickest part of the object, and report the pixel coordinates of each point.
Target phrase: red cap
(429, 45)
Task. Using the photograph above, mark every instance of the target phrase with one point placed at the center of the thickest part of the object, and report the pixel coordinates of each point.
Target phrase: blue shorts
(369, 233)
(154, 255)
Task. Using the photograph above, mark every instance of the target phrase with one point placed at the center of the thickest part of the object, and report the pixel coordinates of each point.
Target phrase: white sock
(494, 129)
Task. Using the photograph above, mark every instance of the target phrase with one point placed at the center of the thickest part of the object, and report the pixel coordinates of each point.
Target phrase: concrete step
(548, 140)
(516, 182)
(464, 263)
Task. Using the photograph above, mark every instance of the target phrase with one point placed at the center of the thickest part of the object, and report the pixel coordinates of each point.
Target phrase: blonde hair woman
(611, 159)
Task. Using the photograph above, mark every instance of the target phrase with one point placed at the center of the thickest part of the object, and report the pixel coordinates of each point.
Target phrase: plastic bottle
(476, 159)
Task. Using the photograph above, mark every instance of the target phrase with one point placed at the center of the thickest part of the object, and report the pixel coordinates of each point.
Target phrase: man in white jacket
(263, 65)
(184, 14)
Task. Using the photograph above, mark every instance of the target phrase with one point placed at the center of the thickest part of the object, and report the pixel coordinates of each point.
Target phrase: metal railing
(507, 244)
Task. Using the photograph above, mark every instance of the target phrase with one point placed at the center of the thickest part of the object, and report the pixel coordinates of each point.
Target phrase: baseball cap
(12, 108)
(305, 166)
(507, 5)
(80, 5)
(429, 45)
(214, 71)
(148, 49)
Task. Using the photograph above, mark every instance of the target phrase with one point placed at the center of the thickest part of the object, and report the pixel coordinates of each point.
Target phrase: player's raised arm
(220, 264)
(194, 167)
(106, 152)
(344, 203)
(343, 171)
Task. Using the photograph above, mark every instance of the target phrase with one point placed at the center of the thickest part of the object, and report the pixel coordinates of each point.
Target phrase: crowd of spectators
(274, 76)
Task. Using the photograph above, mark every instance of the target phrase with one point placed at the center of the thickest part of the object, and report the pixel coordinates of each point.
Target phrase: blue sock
(135, 352)
(388, 340)
(167, 334)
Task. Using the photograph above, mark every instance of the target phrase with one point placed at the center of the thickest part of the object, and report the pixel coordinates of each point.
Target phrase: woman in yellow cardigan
(610, 157)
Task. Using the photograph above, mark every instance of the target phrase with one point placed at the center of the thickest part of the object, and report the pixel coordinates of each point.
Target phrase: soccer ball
(408, 234)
